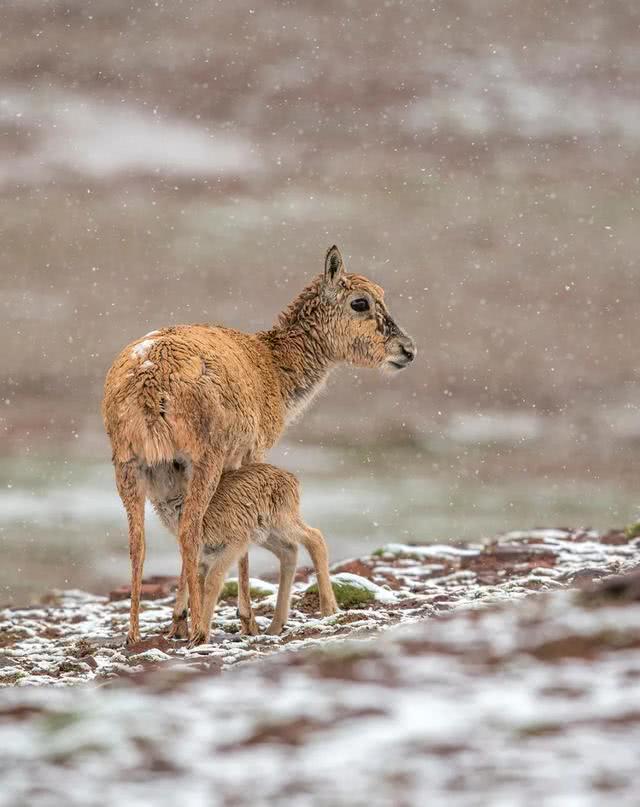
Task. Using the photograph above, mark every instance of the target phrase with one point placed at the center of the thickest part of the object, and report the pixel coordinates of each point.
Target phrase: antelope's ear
(333, 265)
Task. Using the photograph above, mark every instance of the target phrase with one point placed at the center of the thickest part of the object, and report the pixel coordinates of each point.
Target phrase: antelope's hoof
(249, 627)
(198, 638)
(274, 629)
(178, 630)
(133, 637)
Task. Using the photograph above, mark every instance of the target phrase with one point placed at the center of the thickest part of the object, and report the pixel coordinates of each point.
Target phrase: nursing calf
(257, 504)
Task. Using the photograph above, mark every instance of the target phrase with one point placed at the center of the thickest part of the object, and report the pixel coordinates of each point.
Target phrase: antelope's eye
(361, 304)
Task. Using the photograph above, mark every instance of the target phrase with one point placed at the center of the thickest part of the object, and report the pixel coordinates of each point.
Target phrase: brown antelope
(209, 399)
(258, 504)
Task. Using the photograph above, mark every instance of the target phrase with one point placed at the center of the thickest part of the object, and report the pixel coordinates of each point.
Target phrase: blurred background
(192, 161)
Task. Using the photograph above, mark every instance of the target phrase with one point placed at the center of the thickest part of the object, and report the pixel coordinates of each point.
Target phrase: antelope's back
(175, 390)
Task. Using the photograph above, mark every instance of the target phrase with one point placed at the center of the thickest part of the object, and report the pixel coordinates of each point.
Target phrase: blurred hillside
(191, 161)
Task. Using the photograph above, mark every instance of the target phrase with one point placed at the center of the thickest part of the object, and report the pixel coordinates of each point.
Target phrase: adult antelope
(199, 399)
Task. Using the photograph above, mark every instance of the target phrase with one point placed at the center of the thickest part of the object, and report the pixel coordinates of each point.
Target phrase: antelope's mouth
(395, 364)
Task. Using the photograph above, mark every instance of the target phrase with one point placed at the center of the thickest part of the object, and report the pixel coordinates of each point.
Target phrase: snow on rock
(429, 551)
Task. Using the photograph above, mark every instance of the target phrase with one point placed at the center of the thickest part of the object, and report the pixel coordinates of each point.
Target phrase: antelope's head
(357, 323)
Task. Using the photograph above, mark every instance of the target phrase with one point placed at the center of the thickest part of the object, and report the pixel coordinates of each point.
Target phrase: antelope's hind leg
(287, 554)
(314, 543)
(132, 492)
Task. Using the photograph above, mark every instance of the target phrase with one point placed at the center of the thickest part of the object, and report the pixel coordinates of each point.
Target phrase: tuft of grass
(347, 595)
(633, 530)
(230, 591)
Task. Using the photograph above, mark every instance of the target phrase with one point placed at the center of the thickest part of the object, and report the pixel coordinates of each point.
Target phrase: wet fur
(257, 504)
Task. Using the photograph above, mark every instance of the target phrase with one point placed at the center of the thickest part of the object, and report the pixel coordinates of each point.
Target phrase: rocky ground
(442, 679)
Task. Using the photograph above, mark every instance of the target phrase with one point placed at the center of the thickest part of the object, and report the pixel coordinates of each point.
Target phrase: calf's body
(259, 504)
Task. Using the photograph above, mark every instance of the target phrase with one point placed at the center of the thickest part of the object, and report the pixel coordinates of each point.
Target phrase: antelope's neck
(302, 362)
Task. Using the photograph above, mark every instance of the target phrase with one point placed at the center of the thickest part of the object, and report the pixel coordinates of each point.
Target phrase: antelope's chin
(394, 365)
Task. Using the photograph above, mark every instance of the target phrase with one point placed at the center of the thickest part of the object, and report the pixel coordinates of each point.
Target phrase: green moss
(59, 721)
(12, 677)
(541, 729)
(633, 530)
(230, 591)
(348, 595)
(232, 629)
(379, 553)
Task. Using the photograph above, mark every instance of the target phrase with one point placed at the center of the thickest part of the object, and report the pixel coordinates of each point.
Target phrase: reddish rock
(615, 537)
(157, 642)
(153, 588)
(354, 567)
(506, 557)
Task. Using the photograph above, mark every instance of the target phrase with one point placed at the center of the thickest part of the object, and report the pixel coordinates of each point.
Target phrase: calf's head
(355, 321)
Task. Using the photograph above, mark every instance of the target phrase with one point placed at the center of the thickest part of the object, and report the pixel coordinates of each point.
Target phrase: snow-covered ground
(527, 699)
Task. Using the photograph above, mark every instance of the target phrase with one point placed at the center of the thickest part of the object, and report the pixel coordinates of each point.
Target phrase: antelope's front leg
(205, 477)
(218, 560)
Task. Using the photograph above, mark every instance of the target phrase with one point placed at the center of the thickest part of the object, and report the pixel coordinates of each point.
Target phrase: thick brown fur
(212, 399)
(258, 504)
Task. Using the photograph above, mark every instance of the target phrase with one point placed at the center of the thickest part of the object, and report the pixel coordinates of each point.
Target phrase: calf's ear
(333, 265)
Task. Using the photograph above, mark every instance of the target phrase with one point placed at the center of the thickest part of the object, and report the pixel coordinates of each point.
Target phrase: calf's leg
(245, 611)
(287, 553)
(314, 543)
(218, 561)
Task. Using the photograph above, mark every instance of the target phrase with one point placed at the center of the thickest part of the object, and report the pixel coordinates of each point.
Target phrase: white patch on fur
(151, 333)
(147, 365)
(140, 350)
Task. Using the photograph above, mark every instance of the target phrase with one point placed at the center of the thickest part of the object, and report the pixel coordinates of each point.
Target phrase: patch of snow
(81, 135)
(257, 583)
(430, 551)
(469, 98)
(541, 534)
(140, 350)
(494, 427)
(151, 655)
